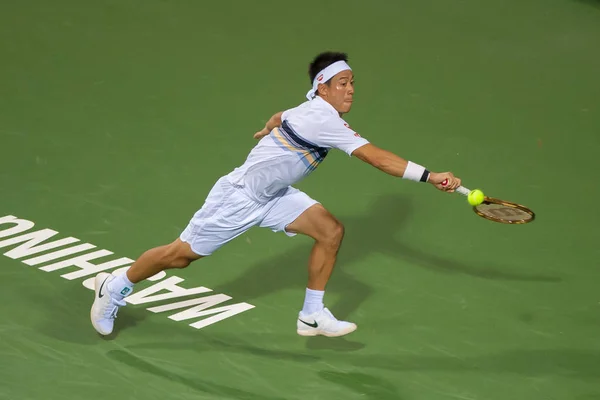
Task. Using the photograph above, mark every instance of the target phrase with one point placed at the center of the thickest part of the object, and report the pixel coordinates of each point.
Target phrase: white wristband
(416, 172)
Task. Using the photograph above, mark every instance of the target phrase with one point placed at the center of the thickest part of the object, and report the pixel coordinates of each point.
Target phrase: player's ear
(322, 89)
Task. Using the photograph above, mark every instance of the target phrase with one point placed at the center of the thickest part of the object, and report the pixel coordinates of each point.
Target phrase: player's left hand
(262, 133)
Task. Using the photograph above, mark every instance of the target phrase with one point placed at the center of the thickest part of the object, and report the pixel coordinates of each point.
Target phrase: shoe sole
(96, 288)
(316, 332)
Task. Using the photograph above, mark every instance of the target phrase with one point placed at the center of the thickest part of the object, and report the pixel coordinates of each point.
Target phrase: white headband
(325, 75)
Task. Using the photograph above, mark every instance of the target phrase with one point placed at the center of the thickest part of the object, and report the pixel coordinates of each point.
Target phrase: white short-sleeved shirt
(291, 152)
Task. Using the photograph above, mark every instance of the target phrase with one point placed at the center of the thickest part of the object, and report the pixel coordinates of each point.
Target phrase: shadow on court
(593, 3)
(229, 343)
(568, 363)
(564, 363)
(571, 363)
(192, 380)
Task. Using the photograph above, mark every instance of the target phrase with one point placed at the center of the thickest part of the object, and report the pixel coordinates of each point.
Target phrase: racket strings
(500, 211)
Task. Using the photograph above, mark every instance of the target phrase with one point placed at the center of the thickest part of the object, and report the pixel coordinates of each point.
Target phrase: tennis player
(291, 146)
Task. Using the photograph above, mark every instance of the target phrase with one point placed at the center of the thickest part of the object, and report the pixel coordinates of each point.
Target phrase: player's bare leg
(328, 232)
(174, 255)
(110, 290)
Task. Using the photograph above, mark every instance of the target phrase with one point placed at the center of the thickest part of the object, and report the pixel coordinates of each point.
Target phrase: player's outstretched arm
(394, 165)
(272, 123)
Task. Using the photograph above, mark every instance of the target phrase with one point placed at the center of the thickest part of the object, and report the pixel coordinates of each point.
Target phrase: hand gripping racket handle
(461, 189)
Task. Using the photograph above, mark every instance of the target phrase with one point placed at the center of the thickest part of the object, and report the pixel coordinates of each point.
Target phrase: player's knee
(334, 235)
(180, 262)
(338, 232)
(175, 257)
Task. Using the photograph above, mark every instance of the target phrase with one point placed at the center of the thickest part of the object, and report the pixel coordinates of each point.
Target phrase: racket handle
(461, 189)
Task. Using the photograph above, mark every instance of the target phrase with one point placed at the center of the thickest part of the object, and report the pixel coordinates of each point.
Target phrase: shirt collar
(319, 102)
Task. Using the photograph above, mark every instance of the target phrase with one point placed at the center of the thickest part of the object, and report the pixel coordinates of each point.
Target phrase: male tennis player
(259, 193)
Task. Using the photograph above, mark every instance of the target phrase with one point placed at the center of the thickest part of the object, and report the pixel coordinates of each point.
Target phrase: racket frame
(492, 200)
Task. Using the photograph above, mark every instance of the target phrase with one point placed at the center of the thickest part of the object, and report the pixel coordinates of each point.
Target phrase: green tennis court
(116, 118)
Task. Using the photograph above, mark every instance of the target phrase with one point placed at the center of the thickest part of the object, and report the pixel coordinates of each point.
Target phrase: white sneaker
(105, 307)
(323, 323)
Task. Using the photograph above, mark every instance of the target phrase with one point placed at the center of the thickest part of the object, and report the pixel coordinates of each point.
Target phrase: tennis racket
(497, 210)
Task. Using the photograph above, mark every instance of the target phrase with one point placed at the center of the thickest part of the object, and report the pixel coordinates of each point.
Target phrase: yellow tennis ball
(475, 197)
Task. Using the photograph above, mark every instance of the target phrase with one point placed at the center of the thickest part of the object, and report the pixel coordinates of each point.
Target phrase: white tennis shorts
(228, 212)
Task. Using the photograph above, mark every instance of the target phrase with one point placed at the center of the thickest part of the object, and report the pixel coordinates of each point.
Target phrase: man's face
(340, 91)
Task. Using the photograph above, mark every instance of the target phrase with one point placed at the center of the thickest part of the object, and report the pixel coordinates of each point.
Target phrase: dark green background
(116, 117)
